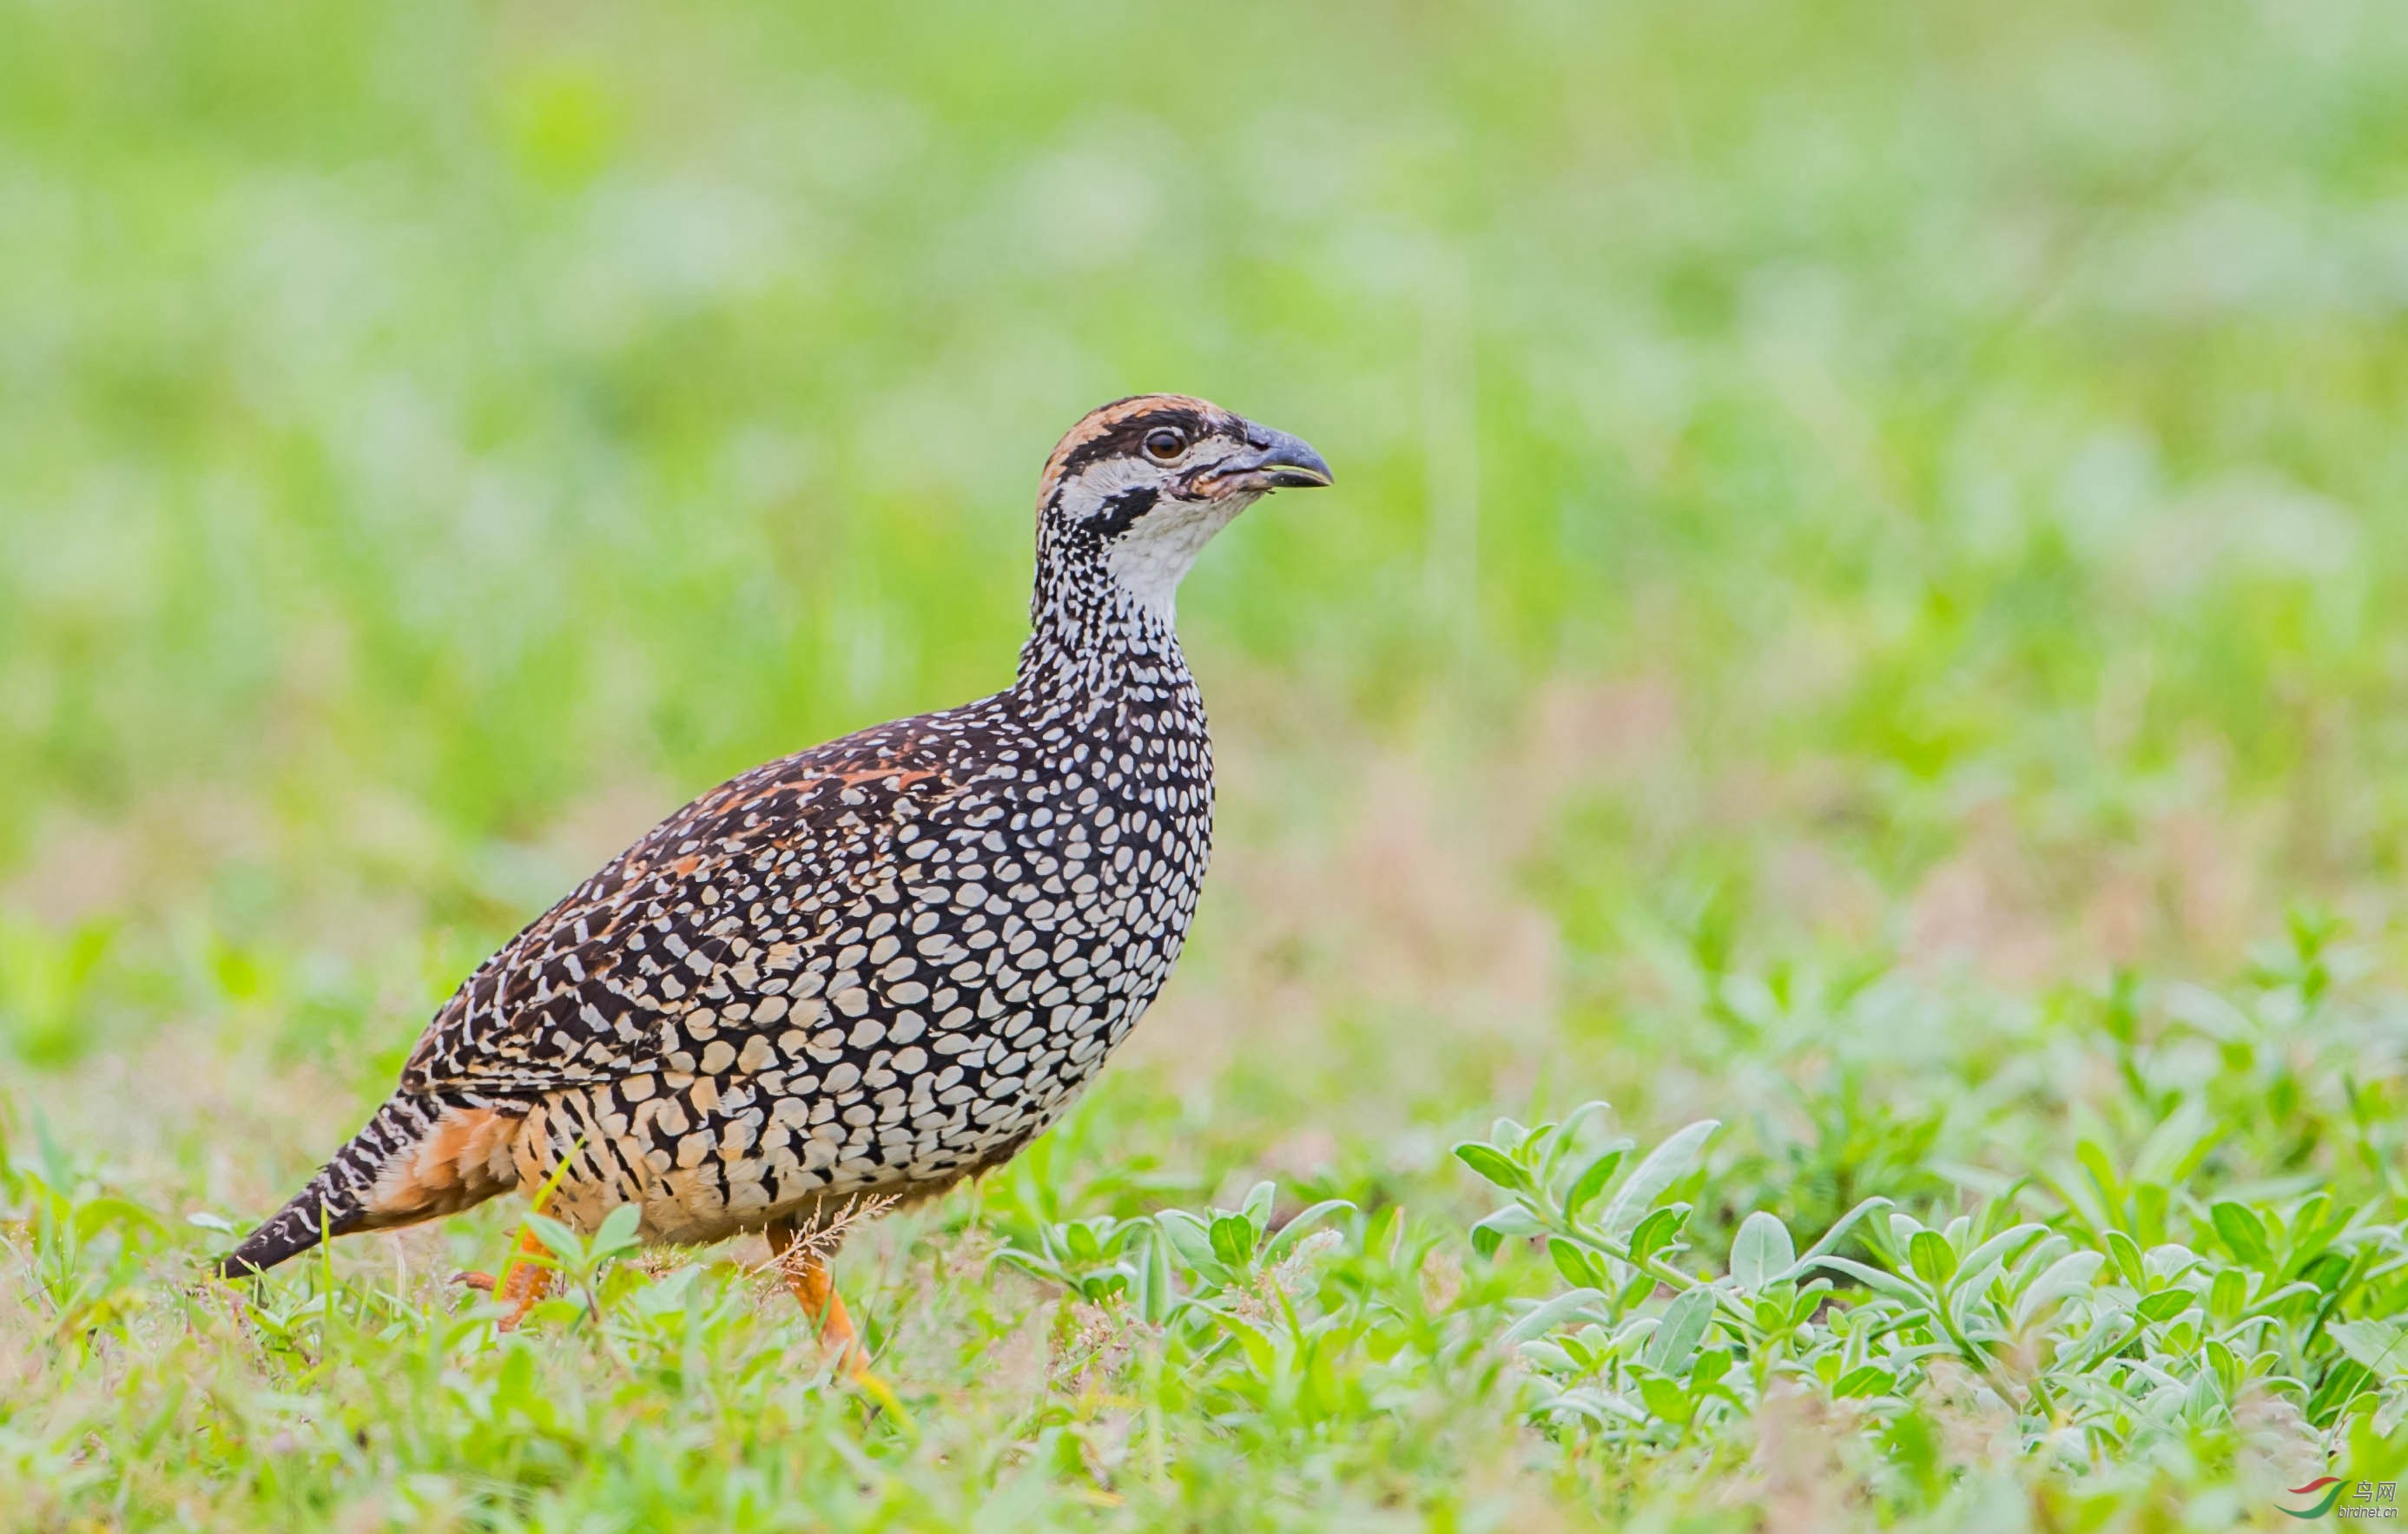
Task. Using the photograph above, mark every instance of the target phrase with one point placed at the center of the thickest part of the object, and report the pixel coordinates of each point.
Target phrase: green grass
(1867, 602)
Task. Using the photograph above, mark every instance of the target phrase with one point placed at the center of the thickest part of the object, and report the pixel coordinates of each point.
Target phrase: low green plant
(2132, 1306)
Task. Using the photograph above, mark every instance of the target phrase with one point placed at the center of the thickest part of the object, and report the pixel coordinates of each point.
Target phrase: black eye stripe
(1122, 511)
(1128, 437)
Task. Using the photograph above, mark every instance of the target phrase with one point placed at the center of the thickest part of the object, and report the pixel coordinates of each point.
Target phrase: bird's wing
(717, 907)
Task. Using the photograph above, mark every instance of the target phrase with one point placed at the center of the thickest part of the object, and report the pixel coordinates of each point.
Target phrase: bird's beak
(1281, 463)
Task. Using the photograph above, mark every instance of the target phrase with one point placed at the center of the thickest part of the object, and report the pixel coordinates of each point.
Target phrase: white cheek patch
(1149, 558)
(1085, 497)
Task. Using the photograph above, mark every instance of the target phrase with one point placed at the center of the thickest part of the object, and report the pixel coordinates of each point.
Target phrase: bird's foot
(525, 1283)
(808, 1278)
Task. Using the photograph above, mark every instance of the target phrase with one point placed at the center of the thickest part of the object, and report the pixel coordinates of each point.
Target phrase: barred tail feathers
(418, 1157)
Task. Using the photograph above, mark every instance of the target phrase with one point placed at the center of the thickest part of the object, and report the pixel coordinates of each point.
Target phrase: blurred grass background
(1926, 482)
(1823, 489)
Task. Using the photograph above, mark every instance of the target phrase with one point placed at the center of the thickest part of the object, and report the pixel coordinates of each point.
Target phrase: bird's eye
(1163, 444)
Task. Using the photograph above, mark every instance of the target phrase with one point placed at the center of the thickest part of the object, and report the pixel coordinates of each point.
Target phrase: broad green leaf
(1933, 1259)
(618, 1231)
(1761, 1253)
(558, 1238)
(2343, 1384)
(1578, 1264)
(2243, 1231)
(1257, 1207)
(1593, 1179)
(1874, 1279)
(1490, 1233)
(2381, 1346)
(2299, 1299)
(2165, 1305)
(1656, 1232)
(1551, 1314)
(1665, 1166)
(2226, 1295)
(2002, 1247)
(1666, 1399)
(2227, 1368)
(1494, 1165)
(2127, 1253)
(1154, 1295)
(1189, 1237)
(1232, 1240)
(1677, 1335)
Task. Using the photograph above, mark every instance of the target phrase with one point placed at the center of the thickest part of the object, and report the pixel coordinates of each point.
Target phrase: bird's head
(1141, 485)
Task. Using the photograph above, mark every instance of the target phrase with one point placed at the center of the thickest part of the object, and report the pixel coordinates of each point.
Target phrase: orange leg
(523, 1283)
(807, 1276)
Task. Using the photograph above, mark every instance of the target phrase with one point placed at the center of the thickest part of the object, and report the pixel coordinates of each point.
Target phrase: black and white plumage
(875, 967)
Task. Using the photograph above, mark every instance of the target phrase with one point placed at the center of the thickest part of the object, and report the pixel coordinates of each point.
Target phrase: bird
(857, 974)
